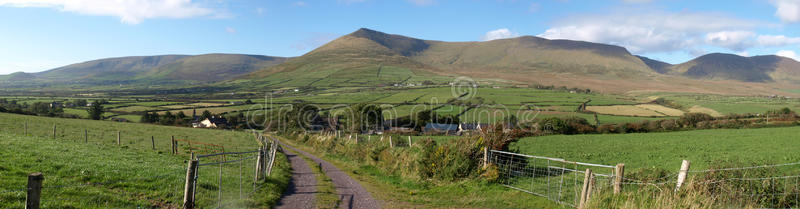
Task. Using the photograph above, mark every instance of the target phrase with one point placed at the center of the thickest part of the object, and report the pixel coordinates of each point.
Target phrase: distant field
(134, 135)
(666, 150)
(213, 110)
(135, 109)
(730, 104)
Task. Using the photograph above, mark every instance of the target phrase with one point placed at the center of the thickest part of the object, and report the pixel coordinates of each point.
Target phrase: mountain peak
(401, 44)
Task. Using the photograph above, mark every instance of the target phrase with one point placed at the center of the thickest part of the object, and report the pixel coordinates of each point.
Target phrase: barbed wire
(744, 168)
(110, 182)
(13, 190)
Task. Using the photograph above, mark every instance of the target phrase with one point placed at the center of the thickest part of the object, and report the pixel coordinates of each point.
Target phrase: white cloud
(129, 11)
(502, 33)
(230, 30)
(779, 40)
(422, 2)
(648, 31)
(734, 40)
(300, 4)
(787, 10)
(743, 54)
(787, 53)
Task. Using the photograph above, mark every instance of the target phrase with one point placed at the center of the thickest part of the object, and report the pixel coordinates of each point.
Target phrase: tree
(248, 101)
(167, 118)
(80, 102)
(96, 111)
(206, 114)
(365, 117)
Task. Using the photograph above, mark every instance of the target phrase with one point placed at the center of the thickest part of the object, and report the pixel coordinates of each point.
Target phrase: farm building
(472, 126)
(449, 129)
(212, 122)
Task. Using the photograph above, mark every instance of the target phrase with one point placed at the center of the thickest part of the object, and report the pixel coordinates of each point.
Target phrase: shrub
(691, 119)
(669, 125)
(577, 125)
(607, 129)
(633, 128)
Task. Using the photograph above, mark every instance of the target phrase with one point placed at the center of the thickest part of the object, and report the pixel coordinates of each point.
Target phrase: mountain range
(372, 58)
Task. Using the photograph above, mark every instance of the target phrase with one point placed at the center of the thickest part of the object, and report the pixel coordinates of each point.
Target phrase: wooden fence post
(153, 142)
(85, 136)
(682, 174)
(259, 162)
(34, 190)
(620, 171)
(485, 157)
(173, 145)
(119, 141)
(585, 191)
(188, 192)
(390, 142)
(271, 160)
(54, 131)
(26, 128)
(409, 141)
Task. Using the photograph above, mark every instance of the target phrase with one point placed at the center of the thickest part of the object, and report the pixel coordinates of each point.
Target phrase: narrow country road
(302, 187)
(351, 193)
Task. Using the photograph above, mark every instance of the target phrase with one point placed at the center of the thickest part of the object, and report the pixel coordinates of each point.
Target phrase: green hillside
(164, 69)
(719, 66)
(368, 57)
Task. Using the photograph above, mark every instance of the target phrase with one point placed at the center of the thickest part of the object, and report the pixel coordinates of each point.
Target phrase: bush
(669, 125)
(633, 128)
(607, 129)
(577, 125)
(690, 120)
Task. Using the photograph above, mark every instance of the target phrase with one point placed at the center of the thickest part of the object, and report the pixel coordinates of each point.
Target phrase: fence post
(153, 142)
(620, 171)
(188, 192)
(85, 136)
(34, 190)
(390, 142)
(26, 128)
(682, 174)
(409, 141)
(54, 131)
(585, 191)
(259, 162)
(119, 141)
(173, 145)
(271, 160)
(485, 157)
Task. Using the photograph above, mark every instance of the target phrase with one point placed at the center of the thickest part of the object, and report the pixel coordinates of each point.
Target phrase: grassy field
(79, 175)
(666, 150)
(133, 135)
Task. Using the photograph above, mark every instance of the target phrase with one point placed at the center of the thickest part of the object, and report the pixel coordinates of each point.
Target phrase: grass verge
(394, 191)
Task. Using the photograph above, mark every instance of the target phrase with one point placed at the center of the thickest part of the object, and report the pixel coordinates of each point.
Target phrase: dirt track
(351, 193)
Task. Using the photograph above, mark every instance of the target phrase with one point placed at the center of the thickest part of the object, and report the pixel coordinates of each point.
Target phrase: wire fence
(556, 179)
(124, 134)
(227, 174)
(769, 186)
(562, 181)
(59, 191)
(229, 179)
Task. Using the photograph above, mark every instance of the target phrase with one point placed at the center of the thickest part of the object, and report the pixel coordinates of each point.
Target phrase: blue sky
(37, 35)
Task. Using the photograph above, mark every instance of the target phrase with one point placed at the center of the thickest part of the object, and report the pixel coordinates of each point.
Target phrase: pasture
(97, 175)
(666, 150)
